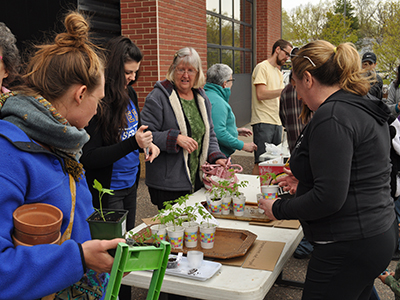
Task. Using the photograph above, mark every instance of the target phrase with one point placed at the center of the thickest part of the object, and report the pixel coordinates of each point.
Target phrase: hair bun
(77, 31)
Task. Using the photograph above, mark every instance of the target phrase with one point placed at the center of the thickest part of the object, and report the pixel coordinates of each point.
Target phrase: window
(230, 34)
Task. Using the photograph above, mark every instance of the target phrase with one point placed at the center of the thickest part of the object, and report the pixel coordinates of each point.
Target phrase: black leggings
(158, 197)
(346, 270)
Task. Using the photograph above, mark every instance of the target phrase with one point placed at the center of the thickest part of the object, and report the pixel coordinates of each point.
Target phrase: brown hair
(333, 65)
(71, 59)
(281, 44)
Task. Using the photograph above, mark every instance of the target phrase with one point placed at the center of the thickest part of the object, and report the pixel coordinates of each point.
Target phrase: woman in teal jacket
(218, 90)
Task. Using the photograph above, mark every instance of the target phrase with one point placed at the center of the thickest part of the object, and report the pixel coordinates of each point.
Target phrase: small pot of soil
(114, 225)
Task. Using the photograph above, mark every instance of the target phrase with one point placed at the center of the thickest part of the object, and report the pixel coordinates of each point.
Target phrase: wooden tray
(228, 243)
(251, 214)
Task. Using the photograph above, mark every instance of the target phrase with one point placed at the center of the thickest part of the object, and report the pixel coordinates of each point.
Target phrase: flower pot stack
(37, 223)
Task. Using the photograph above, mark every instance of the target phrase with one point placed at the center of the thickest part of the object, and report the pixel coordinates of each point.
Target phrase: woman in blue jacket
(41, 140)
(218, 90)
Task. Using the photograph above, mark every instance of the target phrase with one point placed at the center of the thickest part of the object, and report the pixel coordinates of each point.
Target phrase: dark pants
(158, 197)
(265, 133)
(125, 199)
(346, 270)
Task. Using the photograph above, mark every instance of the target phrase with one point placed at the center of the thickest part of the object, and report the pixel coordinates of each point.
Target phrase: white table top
(229, 282)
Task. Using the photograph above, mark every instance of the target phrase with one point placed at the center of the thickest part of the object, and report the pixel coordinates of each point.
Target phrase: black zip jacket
(342, 162)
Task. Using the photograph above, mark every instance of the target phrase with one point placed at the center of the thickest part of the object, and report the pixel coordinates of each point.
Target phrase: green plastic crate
(138, 258)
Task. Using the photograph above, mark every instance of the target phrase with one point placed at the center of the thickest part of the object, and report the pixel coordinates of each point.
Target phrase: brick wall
(181, 24)
(268, 27)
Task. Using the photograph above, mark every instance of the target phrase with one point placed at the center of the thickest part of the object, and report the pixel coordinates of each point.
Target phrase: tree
(304, 23)
(338, 30)
(346, 9)
(386, 46)
(366, 13)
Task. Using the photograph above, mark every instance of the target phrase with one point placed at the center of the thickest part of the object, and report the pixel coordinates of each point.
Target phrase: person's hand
(249, 147)
(143, 138)
(244, 132)
(96, 256)
(187, 143)
(288, 183)
(266, 205)
(221, 161)
(154, 151)
(385, 274)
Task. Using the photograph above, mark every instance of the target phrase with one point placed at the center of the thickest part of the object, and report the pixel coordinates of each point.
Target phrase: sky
(288, 5)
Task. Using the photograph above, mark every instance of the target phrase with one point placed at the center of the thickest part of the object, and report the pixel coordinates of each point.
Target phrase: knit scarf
(39, 119)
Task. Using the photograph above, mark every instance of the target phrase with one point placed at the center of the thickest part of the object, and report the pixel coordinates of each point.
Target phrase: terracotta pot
(34, 239)
(19, 243)
(37, 218)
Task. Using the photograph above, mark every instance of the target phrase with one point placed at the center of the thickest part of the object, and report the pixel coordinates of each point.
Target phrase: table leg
(282, 281)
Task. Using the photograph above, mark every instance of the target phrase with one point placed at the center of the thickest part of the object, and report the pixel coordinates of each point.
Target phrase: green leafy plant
(267, 178)
(98, 186)
(170, 214)
(205, 215)
(143, 239)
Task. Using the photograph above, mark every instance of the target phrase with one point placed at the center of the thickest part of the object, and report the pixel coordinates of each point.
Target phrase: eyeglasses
(233, 79)
(293, 54)
(190, 72)
(287, 53)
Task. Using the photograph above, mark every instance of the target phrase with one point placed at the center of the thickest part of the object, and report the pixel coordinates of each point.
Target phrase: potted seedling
(170, 216)
(238, 198)
(207, 230)
(106, 224)
(269, 190)
(144, 239)
(214, 198)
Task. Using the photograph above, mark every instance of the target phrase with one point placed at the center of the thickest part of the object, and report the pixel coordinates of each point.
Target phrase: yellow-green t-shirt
(266, 111)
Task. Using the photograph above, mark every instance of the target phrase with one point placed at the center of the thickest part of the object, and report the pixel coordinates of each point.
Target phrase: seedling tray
(251, 214)
(228, 243)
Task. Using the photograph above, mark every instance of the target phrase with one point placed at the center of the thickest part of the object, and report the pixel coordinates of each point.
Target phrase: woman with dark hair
(112, 154)
(393, 99)
(341, 175)
(9, 57)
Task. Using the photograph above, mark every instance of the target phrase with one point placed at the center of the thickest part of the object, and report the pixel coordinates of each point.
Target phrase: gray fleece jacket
(164, 115)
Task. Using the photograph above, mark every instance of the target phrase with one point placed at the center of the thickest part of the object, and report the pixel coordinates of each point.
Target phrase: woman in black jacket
(112, 154)
(341, 174)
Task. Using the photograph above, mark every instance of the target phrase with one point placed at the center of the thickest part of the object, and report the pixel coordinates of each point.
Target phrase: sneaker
(396, 255)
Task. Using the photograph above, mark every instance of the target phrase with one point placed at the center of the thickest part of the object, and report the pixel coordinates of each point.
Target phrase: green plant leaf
(97, 185)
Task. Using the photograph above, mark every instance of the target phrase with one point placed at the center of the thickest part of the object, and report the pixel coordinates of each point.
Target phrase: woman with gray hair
(178, 114)
(218, 90)
(9, 57)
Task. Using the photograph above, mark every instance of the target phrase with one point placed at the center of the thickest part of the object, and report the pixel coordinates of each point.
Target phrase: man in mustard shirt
(267, 85)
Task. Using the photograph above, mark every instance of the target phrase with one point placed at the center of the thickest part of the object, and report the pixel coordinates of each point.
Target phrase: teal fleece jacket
(223, 118)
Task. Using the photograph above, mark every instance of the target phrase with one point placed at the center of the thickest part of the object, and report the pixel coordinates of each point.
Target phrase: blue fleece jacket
(30, 174)
(223, 118)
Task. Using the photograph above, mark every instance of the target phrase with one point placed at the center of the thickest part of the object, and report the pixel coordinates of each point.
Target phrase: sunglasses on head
(294, 51)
